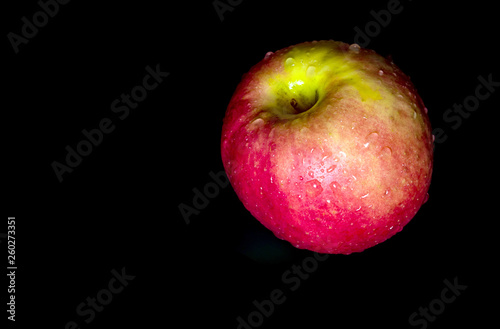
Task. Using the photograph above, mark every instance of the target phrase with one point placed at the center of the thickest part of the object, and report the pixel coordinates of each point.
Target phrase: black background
(119, 207)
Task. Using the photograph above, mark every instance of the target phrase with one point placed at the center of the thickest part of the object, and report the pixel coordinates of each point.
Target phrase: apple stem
(294, 104)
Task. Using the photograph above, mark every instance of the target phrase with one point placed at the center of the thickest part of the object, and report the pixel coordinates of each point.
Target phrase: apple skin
(338, 177)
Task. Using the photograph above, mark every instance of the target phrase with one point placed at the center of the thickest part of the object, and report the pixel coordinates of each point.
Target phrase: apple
(329, 146)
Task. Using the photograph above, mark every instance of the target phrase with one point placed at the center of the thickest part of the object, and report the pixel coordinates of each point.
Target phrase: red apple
(329, 146)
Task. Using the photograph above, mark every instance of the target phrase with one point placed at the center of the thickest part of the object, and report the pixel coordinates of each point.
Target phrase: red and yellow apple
(329, 146)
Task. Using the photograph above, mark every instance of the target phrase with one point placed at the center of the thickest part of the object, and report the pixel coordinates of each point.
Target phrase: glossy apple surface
(329, 146)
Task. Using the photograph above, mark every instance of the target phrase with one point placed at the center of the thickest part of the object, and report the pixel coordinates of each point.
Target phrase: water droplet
(334, 185)
(380, 72)
(257, 122)
(372, 136)
(426, 198)
(386, 151)
(390, 228)
(364, 196)
(311, 71)
(311, 174)
(331, 168)
(301, 178)
(426, 110)
(433, 138)
(313, 188)
(268, 54)
(290, 61)
(414, 114)
(355, 47)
